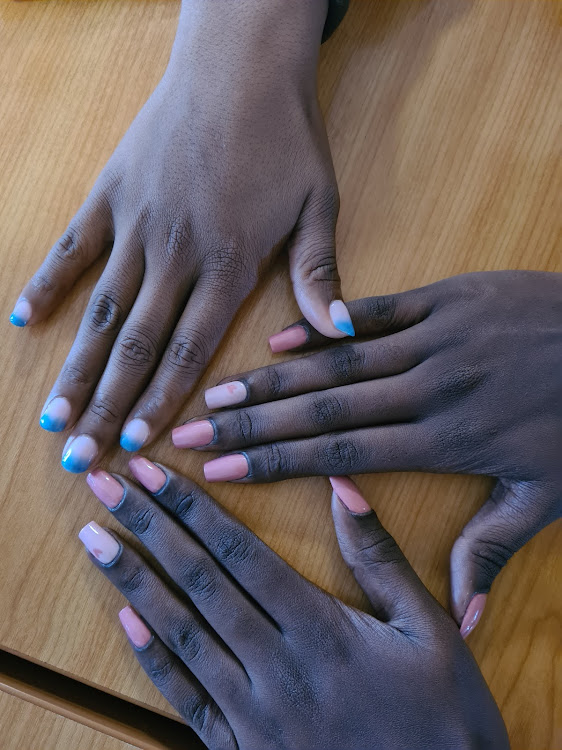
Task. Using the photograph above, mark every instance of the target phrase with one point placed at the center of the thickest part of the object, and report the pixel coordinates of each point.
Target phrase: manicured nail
(105, 487)
(79, 453)
(21, 313)
(225, 395)
(135, 435)
(56, 414)
(138, 633)
(290, 338)
(473, 614)
(193, 434)
(341, 318)
(226, 468)
(348, 493)
(148, 474)
(99, 542)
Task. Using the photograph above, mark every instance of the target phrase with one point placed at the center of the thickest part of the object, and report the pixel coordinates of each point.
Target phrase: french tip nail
(341, 318)
(473, 614)
(135, 435)
(56, 415)
(80, 454)
(21, 313)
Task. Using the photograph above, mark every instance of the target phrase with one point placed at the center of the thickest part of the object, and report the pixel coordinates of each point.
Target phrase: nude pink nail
(349, 494)
(138, 633)
(226, 468)
(148, 474)
(99, 542)
(193, 434)
(473, 614)
(105, 487)
(288, 339)
(226, 394)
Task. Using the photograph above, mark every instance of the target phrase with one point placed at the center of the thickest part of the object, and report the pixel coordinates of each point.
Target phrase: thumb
(314, 271)
(387, 578)
(508, 519)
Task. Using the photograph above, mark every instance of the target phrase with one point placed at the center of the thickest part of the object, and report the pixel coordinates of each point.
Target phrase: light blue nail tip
(52, 425)
(15, 320)
(75, 464)
(345, 326)
(128, 444)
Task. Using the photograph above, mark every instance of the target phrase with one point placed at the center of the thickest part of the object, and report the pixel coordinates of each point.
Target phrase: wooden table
(444, 124)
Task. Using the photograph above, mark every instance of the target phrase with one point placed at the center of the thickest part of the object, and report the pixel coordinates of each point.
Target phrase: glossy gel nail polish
(341, 318)
(99, 542)
(226, 468)
(226, 394)
(290, 338)
(473, 614)
(193, 434)
(106, 488)
(56, 415)
(79, 454)
(21, 313)
(348, 493)
(148, 474)
(136, 630)
(135, 435)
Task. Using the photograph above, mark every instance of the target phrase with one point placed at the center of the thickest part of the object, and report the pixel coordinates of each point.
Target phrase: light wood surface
(26, 726)
(444, 123)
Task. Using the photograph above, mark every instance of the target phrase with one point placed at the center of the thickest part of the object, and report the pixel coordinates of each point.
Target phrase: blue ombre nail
(56, 415)
(80, 454)
(341, 318)
(135, 435)
(21, 313)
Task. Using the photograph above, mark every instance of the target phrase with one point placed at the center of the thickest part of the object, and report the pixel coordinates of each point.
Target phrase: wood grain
(33, 727)
(444, 123)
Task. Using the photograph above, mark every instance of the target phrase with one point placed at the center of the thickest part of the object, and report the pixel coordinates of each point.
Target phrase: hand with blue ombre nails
(226, 164)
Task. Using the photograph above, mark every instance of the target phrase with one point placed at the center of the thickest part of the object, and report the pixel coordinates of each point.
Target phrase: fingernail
(473, 614)
(148, 474)
(138, 633)
(79, 454)
(226, 468)
(290, 338)
(348, 493)
(193, 434)
(225, 395)
(56, 414)
(99, 542)
(135, 435)
(105, 487)
(21, 313)
(341, 318)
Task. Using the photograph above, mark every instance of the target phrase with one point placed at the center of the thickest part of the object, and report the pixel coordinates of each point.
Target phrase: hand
(227, 162)
(463, 376)
(254, 657)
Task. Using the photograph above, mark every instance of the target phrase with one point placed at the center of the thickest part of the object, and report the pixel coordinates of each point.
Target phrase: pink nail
(226, 468)
(226, 394)
(288, 339)
(99, 542)
(349, 494)
(105, 487)
(147, 473)
(473, 614)
(138, 633)
(193, 434)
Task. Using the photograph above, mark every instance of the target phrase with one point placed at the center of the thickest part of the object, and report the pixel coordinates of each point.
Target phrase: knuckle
(75, 374)
(234, 547)
(199, 580)
(327, 410)
(137, 349)
(141, 521)
(196, 711)
(379, 547)
(458, 382)
(320, 263)
(382, 310)
(105, 410)
(489, 557)
(189, 351)
(133, 578)
(274, 380)
(187, 640)
(68, 247)
(105, 314)
(244, 425)
(326, 203)
(339, 455)
(275, 460)
(178, 240)
(227, 265)
(187, 504)
(346, 362)
(160, 669)
(42, 284)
